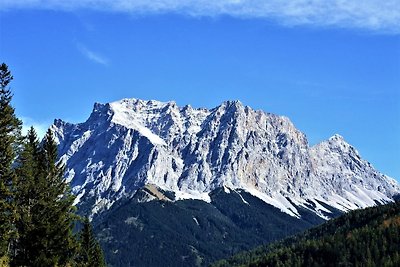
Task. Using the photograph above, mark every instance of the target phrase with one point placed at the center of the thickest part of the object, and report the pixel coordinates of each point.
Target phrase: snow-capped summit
(128, 144)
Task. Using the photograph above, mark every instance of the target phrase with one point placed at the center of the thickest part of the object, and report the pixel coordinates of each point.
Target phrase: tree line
(37, 215)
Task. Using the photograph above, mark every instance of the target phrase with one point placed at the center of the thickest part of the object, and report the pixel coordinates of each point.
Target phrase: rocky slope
(128, 144)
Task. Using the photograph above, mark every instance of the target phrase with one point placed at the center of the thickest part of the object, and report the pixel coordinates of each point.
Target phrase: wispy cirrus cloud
(89, 54)
(376, 15)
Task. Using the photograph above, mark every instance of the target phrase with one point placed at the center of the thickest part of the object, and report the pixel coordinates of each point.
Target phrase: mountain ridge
(127, 144)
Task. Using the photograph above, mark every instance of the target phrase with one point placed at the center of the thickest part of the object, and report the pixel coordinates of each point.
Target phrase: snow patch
(226, 190)
(191, 194)
(128, 118)
(78, 197)
(244, 201)
(277, 201)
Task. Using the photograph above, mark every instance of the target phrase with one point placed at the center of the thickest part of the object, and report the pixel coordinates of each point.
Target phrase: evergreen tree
(46, 213)
(26, 197)
(36, 205)
(9, 131)
(91, 253)
(51, 241)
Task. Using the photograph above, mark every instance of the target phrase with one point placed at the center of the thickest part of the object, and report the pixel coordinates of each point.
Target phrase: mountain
(195, 185)
(130, 143)
(368, 237)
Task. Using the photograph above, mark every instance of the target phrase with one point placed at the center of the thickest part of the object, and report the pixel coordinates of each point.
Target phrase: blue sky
(330, 66)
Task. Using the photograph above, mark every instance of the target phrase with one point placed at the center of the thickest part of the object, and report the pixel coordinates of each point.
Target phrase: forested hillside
(368, 237)
(192, 232)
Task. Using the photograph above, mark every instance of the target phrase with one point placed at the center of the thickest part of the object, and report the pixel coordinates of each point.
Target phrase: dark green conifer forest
(37, 216)
(369, 237)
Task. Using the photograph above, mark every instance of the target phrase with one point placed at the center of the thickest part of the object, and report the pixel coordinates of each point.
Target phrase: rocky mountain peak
(127, 144)
(338, 141)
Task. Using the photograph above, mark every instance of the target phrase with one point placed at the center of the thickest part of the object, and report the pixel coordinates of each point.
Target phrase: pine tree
(26, 197)
(46, 213)
(51, 240)
(10, 128)
(36, 205)
(91, 253)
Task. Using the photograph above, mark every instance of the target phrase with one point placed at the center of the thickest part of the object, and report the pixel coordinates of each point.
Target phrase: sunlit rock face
(128, 144)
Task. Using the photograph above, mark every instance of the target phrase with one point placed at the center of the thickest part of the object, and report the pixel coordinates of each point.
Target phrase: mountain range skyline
(128, 144)
(334, 134)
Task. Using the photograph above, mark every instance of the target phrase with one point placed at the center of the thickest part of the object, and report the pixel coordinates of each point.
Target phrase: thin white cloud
(92, 55)
(375, 15)
(40, 127)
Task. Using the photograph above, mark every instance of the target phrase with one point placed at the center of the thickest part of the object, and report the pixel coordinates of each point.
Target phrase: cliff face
(128, 144)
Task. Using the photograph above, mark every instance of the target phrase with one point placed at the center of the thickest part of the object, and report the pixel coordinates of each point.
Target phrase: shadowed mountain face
(192, 232)
(127, 144)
